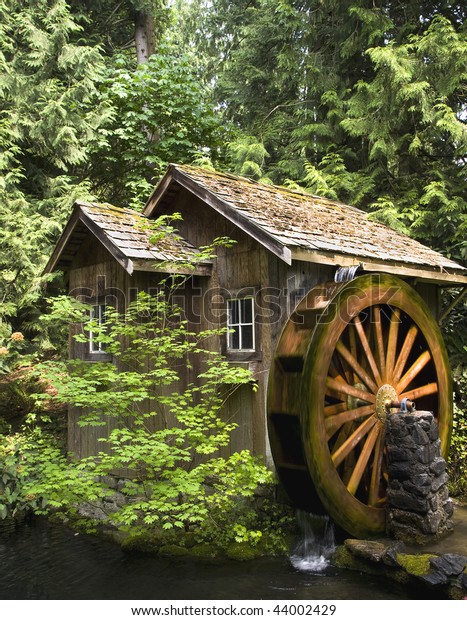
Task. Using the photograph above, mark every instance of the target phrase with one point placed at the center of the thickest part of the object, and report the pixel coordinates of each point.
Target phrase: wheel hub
(385, 395)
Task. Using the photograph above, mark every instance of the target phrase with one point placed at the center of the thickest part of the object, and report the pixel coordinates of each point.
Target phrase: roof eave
(79, 216)
(172, 267)
(129, 264)
(63, 240)
(435, 275)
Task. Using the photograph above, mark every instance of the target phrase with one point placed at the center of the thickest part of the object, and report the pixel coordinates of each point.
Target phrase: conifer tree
(49, 114)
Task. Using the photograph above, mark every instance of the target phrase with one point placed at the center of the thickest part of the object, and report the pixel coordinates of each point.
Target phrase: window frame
(91, 350)
(240, 324)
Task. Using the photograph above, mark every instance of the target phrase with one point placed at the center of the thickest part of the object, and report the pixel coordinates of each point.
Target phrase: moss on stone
(342, 558)
(144, 543)
(242, 551)
(174, 550)
(417, 565)
(205, 550)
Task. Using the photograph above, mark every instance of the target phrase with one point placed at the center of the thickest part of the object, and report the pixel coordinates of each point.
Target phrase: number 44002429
(305, 610)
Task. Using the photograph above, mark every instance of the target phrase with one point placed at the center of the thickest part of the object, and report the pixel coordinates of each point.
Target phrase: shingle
(128, 231)
(297, 219)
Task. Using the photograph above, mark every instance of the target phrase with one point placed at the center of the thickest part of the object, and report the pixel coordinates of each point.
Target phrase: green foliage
(28, 459)
(164, 430)
(111, 24)
(248, 158)
(458, 453)
(455, 334)
(161, 113)
(49, 115)
(11, 348)
(358, 100)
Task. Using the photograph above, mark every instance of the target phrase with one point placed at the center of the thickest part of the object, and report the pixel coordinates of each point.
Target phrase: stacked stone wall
(419, 507)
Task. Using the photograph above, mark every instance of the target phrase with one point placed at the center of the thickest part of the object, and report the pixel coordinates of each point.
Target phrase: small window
(240, 313)
(97, 316)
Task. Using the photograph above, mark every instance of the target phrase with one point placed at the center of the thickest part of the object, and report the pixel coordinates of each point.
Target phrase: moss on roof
(303, 221)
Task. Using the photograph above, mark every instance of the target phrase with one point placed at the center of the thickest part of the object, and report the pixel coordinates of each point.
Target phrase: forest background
(363, 101)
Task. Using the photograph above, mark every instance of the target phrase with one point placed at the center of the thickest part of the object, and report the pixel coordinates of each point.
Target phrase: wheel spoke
(373, 496)
(333, 409)
(424, 390)
(379, 339)
(343, 435)
(392, 345)
(363, 460)
(413, 371)
(334, 422)
(349, 390)
(405, 352)
(350, 359)
(353, 347)
(367, 350)
(342, 372)
(333, 370)
(349, 444)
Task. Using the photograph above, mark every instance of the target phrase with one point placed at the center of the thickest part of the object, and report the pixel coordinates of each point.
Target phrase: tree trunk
(144, 36)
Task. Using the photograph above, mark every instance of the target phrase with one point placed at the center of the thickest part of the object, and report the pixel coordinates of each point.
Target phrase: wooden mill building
(287, 243)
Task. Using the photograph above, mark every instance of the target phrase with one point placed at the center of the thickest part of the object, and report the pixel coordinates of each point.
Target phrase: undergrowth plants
(165, 432)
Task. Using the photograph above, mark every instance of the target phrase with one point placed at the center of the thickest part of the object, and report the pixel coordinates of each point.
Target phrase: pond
(42, 560)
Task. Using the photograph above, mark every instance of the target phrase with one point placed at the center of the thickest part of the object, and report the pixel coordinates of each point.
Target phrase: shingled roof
(125, 234)
(300, 226)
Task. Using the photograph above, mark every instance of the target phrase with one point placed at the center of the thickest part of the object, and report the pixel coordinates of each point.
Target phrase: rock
(431, 523)
(390, 556)
(435, 579)
(426, 454)
(366, 549)
(110, 481)
(433, 433)
(438, 466)
(403, 470)
(397, 454)
(406, 517)
(439, 482)
(421, 490)
(92, 512)
(419, 436)
(173, 550)
(449, 508)
(443, 494)
(451, 564)
(405, 501)
(242, 551)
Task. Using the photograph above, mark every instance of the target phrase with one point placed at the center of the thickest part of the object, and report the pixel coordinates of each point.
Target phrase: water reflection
(39, 560)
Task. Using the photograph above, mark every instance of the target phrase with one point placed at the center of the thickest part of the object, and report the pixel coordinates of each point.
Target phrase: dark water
(39, 560)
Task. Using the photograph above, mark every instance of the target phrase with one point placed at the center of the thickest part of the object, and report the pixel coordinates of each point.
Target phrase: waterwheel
(348, 353)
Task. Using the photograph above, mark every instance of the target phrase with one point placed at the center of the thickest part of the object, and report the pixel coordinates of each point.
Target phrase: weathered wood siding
(246, 268)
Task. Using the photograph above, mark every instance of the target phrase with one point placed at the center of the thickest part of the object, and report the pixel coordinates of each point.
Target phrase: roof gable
(125, 235)
(297, 225)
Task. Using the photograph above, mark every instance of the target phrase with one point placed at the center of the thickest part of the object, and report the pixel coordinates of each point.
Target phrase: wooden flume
(348, 356)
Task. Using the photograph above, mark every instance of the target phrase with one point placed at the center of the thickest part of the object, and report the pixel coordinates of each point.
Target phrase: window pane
(234, 339)
(232, 306)
(247, 336)
(247, 310)
(97, 316)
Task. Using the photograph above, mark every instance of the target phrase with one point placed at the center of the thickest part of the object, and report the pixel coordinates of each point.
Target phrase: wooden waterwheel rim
(347, 351)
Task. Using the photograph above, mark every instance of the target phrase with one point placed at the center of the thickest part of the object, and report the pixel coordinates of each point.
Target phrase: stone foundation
(419, 508)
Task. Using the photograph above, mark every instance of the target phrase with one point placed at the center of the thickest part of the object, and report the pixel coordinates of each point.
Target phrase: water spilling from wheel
(313, 552)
